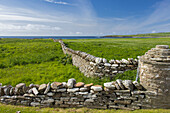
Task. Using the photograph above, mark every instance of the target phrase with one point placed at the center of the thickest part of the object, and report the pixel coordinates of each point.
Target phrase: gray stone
(104, 60)
(83, 93)
(12, 91)
(97, 88)
(109, 85)
(162, 46)
(42, 87)
(107, 64)
(7, 90)
(48, 88)
(56, 85)
(115, 65)
(137, 85)
(64, 98)
(62, 90)
(98, 60)
(116, 85)
(119, 81)
(28, 95)
(89, 100)
(30, 91)
(20, 85)
(50, 94)
(73, 90)
(35, 91)
(71, 82)
(112, 61)
(49, 101)
(83, 89)
(128, 84)
(64, 84)
(35, 104)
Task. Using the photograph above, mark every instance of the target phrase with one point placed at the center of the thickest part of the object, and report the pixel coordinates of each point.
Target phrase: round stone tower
(155, 74)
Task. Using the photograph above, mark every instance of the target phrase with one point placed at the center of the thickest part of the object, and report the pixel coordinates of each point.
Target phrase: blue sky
(83, 17)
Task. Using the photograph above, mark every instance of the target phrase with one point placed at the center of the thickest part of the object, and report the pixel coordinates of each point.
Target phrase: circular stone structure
(155, 74)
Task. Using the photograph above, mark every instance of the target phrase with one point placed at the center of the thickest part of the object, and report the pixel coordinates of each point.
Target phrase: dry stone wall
(153, 91)
(155, 74)
(93, 66)
(114, 95)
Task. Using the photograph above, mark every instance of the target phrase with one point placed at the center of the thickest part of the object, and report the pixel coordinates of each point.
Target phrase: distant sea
(58, 37)
(55, 37)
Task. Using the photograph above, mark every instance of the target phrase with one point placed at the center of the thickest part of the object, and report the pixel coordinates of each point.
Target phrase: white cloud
(57, 2)
(153, 31)
(78, 33)
(30, 27)
(81, 20)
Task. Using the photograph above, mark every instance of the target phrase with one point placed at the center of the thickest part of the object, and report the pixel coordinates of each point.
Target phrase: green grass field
(163, 34)
(42, 60)
(14, 109)
(116, 48)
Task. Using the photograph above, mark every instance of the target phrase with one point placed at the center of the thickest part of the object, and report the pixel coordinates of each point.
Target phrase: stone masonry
(155, 74)
(92, 66)
(153, 91)
(119, 94)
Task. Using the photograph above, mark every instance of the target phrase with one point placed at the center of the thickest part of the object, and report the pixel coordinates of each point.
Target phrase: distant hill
(162, 34)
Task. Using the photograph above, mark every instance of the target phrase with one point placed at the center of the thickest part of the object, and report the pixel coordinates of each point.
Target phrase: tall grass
(116, 48)
(41, 60)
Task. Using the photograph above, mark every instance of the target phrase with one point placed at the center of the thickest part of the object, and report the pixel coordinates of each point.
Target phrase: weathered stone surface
(124, 102)
(119, 81)
(62, 90)
(50, 94)
(71, 82)
(83, 89)
(12, 91)
(89, 100)
(83, 93)
(116, 85)
(128, 84)
(35, 91)
(73, 90)
(20, 85)
(88, 85)
(49, 101)
(64, 85)
(79, 84)
(48, 88)
(7, 90)
(98, 60)
(162, 46)
(104, 60)
(109, 85)
(97, 88)
(42, 87)
(56, 85)
(137, 85)
(35, 104)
